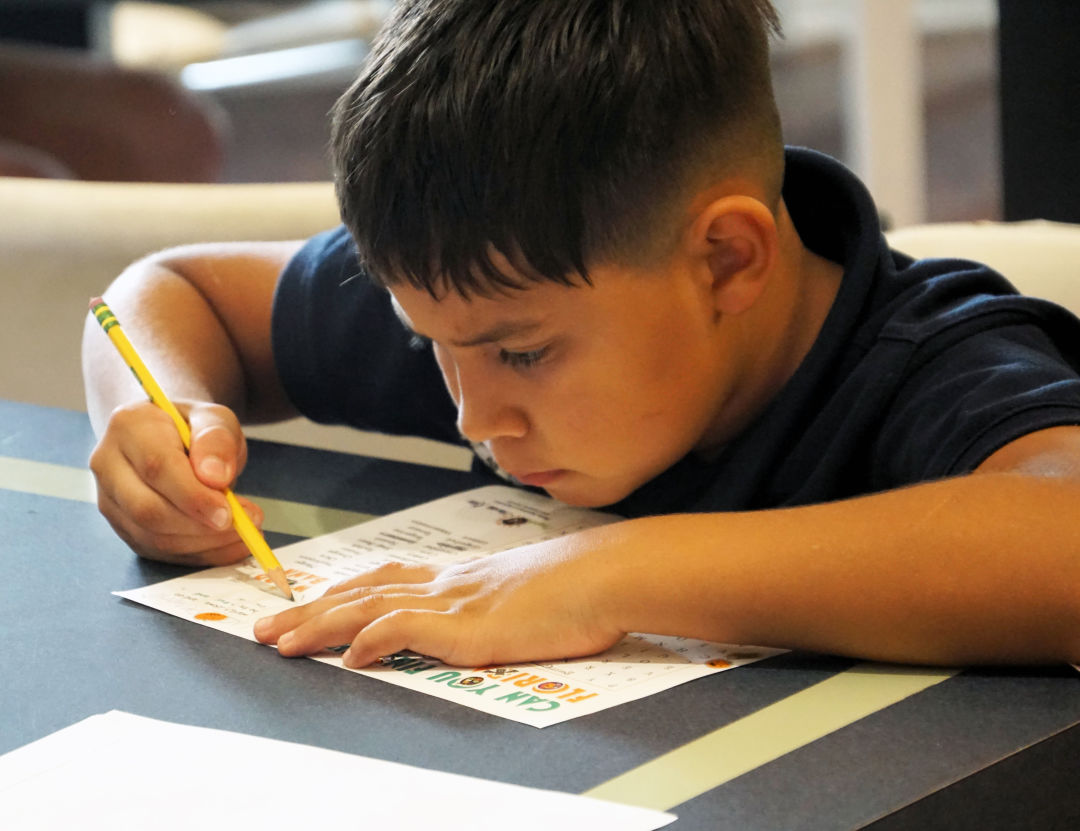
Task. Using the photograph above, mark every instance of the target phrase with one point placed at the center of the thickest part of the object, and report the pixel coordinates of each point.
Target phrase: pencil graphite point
(281, 581)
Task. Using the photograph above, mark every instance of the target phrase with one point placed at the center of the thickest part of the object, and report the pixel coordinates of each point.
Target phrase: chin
(587, 495)
(580, 501)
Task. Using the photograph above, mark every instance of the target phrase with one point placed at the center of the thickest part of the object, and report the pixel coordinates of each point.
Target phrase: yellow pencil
(241, 521)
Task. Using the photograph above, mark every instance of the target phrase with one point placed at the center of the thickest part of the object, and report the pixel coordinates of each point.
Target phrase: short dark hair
(556, 132)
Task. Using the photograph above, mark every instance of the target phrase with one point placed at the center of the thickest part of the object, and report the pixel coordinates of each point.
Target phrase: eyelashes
(522, 360)
(514, 360)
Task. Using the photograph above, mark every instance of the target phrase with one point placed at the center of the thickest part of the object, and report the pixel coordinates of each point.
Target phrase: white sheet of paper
(121, 771)
(448, 530)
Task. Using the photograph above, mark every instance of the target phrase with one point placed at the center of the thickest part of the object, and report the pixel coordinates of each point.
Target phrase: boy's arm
(978, 568)
(200, 318)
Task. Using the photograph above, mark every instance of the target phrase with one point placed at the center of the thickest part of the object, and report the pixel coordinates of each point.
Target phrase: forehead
(614, 296)
(476, 319)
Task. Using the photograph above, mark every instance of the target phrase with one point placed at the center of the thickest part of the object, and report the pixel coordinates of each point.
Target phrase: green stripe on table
(768, 734)
(303, 520)
(63, 482)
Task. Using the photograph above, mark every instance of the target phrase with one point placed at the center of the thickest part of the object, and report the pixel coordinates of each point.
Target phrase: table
(983, 748)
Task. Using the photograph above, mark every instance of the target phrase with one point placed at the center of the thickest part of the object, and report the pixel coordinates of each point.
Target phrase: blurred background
(905, 91)
(130, 126)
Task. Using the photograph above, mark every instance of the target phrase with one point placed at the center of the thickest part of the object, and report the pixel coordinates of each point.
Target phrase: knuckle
(388, 570)
(156, 541)
(364, 599)
(153, 466)
(393, 572)
(110, 510)
(142, 544)
(116, 522)
(97, 460)
(146, 513)
(366, 604)
(123, 415)
(208, 416)
(221, 413)
(128, 416)
(147, 550)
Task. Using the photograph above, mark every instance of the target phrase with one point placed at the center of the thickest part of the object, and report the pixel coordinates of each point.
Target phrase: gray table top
(979, 750)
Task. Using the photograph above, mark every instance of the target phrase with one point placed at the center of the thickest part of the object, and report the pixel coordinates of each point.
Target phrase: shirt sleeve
(342, 354)
(976, 386)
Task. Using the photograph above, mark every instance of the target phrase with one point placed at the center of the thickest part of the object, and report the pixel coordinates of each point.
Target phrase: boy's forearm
(982, 568)
(200, 318)
(176, 334)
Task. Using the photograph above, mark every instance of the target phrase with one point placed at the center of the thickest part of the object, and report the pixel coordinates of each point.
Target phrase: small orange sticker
(719, 663)
(210, 616)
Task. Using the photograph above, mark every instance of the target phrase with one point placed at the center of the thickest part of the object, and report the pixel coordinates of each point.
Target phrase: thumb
(218, 450)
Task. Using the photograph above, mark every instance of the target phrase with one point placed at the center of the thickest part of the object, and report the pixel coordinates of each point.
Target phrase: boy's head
(557, 135)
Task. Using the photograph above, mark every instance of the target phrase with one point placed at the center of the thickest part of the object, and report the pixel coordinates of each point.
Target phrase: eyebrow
(494, 334)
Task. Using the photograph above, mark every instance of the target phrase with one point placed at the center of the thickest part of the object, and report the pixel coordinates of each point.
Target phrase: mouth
(539, 479)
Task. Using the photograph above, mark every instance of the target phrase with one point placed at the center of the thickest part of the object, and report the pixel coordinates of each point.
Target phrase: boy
(580, 221)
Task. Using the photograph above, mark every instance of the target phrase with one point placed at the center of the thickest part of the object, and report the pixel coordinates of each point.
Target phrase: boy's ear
(735, 240)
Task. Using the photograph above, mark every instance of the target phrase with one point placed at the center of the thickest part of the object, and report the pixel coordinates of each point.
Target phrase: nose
(486, 409)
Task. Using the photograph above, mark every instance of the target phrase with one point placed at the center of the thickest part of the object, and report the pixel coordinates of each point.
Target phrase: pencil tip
(282, 582)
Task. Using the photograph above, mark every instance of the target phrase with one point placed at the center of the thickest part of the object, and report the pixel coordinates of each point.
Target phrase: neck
(803, 300)
(777, 333)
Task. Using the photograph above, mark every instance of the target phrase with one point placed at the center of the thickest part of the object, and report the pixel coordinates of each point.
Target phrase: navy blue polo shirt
(921, 370)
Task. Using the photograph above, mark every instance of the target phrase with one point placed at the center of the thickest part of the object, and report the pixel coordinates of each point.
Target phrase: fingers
(322, 623)
(334, 620)
(423, 613)
(386, 574)
(197, 549)
(374, 623)
(473, 614)
(420, 631)
(156, 490)
(218, 450)
(150, 493)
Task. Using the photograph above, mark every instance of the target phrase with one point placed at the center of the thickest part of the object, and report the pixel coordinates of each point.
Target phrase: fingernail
(263, 626)
(347, 658)
(213, 467)
(219, 518)
(285, 640)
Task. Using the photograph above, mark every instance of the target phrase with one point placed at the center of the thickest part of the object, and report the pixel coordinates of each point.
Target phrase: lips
(539, 479)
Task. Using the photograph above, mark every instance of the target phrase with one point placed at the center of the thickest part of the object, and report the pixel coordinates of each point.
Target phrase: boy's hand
(538, 602)
(162, 502)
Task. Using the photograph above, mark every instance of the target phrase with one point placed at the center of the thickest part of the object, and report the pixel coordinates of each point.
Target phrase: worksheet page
(125, 772)
(450, 530)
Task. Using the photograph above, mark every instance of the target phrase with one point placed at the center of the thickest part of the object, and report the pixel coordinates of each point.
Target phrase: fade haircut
(559, 133)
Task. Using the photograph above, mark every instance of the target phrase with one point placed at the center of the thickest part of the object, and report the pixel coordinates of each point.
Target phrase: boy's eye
(522, 360)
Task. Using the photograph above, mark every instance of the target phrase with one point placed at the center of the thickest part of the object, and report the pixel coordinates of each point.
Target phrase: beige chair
(62, 242)
(1040, 258)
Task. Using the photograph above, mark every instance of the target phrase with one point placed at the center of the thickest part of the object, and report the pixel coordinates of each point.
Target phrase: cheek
(660, 392)
(449, 373)
(604, 409)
